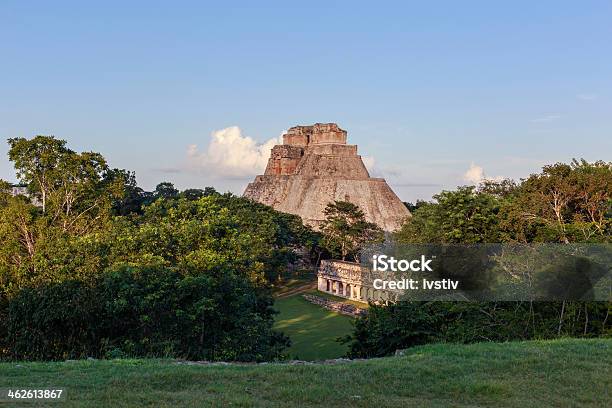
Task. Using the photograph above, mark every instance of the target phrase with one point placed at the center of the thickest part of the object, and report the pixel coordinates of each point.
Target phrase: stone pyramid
(313, 167)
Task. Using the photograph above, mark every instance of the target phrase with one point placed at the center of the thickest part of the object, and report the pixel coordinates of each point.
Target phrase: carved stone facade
(351, 281)
(284, 160)
(314, 167)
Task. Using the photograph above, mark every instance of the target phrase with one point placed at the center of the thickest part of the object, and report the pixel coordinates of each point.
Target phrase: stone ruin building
(352, 281)
(315, 166)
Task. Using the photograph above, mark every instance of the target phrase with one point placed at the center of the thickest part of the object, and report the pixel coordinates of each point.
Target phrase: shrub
(143, 312)
(53, 321)
(386, 329)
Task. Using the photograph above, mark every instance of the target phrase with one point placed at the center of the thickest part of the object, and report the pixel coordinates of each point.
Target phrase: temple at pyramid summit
(315, 166)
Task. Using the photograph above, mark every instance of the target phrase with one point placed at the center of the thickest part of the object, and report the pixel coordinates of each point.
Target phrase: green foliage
(72, 187)
(93, 217)
(461, 216)
(214, 233)
(132, 198)
(413, 207)
(146, 312)
(70, 197)
(196, 193)
(386, 329)
(37, 163)
(165, 190)
(346, 231)
(53, 321)
(564, 203)
(92, 265)
(199, 263)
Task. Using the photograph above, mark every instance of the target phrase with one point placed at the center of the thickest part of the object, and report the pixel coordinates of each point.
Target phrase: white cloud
(230, 154)
(587, 96)
(544, 119)
(384, 171)
(369, 162)
(476, 175)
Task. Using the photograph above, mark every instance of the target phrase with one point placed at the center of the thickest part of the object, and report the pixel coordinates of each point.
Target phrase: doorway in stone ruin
(340, 290)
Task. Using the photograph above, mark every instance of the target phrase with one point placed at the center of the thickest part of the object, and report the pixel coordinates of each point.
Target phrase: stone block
(315, 167)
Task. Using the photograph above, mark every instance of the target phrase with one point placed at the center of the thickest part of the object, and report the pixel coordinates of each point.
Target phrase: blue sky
(434, 93)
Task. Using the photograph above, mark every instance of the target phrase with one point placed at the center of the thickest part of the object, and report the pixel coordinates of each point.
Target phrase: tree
(460, 216)
(166, 189)
(142, 312)
(208, 191)
(592, 200)
(413, 207)
(73, 188)
(192, 194)
(133, 198)
(500, 189)
(346, 231)
(550, 194)
(213, 253)
(388, 328)
(72, 198)
(5, 192)
(564, 203)
(37, 163)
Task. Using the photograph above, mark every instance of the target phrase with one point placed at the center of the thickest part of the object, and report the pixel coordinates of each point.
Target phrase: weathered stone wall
(296, 139)
(283, 160)
(308, 197)
(319, 133)
(333, 149)
(315, 167)
(352, 281)
(331, 166)
(323, 133)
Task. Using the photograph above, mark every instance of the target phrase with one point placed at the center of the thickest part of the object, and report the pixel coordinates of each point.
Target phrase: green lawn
(313, 330)
(561, 373)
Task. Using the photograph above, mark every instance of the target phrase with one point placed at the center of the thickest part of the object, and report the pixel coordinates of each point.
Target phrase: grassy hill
(312, 329)
(560, 373)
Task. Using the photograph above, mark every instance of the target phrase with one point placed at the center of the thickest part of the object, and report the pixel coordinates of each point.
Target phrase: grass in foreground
(313, 330)
(560, 373)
